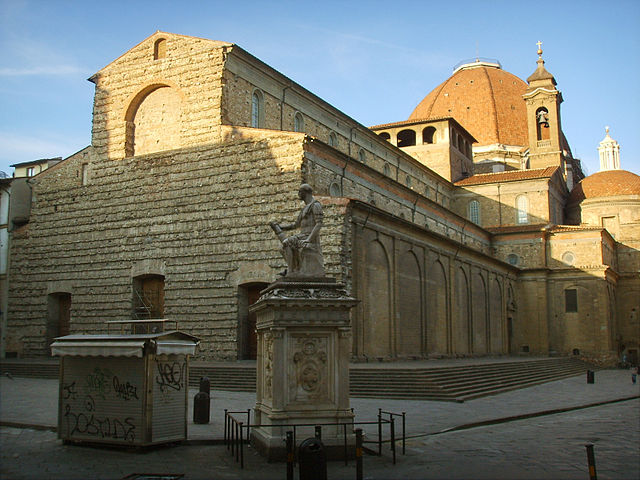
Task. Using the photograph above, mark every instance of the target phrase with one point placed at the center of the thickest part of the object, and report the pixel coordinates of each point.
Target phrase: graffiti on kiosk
(125, 391)
(98, 382)
(170, 375)
(69, 390)
(87, 422)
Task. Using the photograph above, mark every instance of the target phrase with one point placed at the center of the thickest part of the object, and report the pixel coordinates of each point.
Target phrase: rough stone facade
(195, 151)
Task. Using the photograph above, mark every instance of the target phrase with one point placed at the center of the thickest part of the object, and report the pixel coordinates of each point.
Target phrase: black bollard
(202, 403)
(590, 376)
(205, 385)
(359, 454)
(290, 448)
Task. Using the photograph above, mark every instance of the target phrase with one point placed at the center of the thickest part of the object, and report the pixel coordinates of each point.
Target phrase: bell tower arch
(543, 101)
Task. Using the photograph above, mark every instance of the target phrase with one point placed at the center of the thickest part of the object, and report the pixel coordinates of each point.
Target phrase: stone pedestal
(304, 344)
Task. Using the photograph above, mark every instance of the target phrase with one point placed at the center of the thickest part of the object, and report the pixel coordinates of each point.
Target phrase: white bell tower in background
(609, 151)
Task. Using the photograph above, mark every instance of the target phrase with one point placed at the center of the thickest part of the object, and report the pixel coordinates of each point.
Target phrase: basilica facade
(468, 229)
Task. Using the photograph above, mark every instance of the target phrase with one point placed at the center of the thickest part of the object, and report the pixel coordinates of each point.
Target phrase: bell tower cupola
(609, 151)
(543, 101)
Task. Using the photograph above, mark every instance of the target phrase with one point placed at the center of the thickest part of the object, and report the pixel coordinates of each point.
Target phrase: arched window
(542, 123)
(333, 139)
(298, 122)
(385, 135)
(429, 135)
(407, 181)
(387, 169)
(160, 49)
(335, 190)
(406, 138)
(522, 209)
(257, 109)
(474, 211)
(362, 156)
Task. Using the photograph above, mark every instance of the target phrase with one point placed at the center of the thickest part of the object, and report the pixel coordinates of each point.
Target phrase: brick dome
(485, 100)
(610, 183)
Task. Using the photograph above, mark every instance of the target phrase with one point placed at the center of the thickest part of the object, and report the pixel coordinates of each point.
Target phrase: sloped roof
(610, 183)
(508, 176)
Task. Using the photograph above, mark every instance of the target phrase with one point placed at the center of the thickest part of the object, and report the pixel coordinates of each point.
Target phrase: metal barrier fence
(235, 438)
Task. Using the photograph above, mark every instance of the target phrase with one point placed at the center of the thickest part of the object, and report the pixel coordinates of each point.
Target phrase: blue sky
(373, 60)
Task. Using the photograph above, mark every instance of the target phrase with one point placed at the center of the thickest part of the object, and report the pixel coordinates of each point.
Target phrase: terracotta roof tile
(610, 183)
(487, 101)
(508, 176)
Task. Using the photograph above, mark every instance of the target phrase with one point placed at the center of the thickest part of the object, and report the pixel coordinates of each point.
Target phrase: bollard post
(379, 432)
(201, 408)
(319, 432)
(404, 436)
(290, 455)
(241, 447)
(346, 449)
(590, 376)
(591, 459)
(226, 423)
(358, 454)
(205, 385)
(393, 439)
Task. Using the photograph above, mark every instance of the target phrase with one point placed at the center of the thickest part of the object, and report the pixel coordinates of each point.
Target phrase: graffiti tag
(69, 391)
(98, 382)
(170, 375)
(103, 427)
(125, 391)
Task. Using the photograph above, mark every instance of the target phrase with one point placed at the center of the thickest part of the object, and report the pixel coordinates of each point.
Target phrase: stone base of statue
(304, 345)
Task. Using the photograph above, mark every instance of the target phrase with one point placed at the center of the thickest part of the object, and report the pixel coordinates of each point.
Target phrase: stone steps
(447, 383)
(461, 383)
(48, 369)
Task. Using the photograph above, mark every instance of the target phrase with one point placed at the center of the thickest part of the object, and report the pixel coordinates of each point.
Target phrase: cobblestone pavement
(542, 444)
(543, 447)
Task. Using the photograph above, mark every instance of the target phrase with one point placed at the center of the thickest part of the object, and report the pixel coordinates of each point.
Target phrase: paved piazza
(543, 446)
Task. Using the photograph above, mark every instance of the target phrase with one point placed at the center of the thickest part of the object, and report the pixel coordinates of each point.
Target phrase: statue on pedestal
(302, 251)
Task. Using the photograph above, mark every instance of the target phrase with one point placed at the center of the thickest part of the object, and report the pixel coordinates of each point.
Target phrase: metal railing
(235, 437)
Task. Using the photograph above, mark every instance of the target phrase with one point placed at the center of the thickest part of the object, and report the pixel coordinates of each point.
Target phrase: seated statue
(302, 251)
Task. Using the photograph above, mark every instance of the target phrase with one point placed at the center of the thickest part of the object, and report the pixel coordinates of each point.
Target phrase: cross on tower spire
(539, 44)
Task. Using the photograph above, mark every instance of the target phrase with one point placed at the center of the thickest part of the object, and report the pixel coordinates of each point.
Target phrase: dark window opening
(542, 123)
(248, 294)
(571, 300)
(429, 135)
(406, 138)
(385, 135)
(160, 49)
(58, 316)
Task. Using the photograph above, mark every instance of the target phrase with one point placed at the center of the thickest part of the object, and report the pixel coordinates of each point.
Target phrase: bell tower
(543, 101)
(609, 152)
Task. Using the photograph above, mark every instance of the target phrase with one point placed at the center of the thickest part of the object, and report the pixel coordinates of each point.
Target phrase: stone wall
(191, 70)
(422, 295)
(197, 216)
